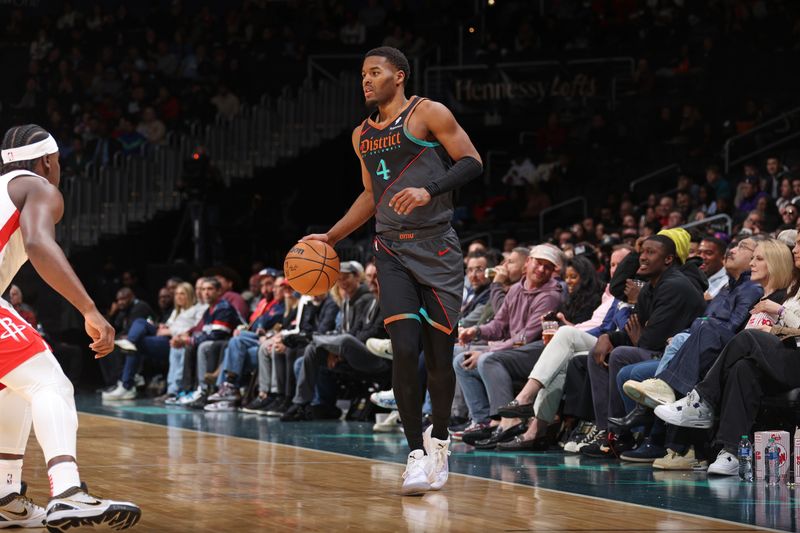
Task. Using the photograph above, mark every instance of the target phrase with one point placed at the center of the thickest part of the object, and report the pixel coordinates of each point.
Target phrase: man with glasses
(788, 217)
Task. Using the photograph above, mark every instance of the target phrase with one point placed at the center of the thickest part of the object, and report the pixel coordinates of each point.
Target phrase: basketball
(311, 267)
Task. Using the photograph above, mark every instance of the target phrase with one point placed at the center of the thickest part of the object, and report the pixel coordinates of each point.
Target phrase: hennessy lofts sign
(579, 86)
(517, 92)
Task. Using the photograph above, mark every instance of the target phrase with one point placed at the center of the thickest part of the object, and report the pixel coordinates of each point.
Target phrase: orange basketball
(311, 267)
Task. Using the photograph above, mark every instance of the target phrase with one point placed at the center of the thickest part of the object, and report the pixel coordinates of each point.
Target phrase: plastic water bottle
(745, 459)
(773, 461)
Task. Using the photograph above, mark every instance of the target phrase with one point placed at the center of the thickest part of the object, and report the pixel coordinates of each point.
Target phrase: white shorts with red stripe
(19, 341)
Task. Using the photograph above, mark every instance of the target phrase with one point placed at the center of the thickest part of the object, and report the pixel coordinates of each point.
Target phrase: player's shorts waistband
(415, 234)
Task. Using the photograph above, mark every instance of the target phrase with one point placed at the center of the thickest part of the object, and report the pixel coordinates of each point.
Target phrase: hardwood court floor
(187, 480)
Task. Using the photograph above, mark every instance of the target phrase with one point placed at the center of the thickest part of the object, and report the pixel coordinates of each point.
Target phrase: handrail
(105, 198)
(722, 216)
(543, 212)
(635, 183)
(784, 117)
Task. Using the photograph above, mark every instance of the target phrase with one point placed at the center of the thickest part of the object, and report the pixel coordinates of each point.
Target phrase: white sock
(10, 477)
(63, 476)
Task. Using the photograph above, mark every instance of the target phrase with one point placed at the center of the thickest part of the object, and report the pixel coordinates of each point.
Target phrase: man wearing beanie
(667, 304)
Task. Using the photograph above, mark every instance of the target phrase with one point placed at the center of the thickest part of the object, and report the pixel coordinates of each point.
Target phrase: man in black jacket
(361, 320)
(666, 305)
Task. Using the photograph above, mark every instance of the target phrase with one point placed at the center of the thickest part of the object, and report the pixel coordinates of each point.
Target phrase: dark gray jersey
(395, 160)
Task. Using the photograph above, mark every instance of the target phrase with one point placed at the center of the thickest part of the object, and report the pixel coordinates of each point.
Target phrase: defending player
(408, 180)
(32, 385)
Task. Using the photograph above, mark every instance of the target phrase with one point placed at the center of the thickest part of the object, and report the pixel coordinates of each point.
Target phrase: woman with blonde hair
(757, 362)
(148, 340)
(772, 268)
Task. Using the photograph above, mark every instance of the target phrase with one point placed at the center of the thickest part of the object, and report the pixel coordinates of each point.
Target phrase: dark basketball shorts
(421, 276)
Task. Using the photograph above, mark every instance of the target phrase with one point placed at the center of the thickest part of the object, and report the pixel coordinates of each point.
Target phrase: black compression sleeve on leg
(462, 172)
(405, 336)
(438, 349)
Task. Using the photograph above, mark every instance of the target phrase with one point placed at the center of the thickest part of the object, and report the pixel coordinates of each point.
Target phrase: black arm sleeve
(464, 170)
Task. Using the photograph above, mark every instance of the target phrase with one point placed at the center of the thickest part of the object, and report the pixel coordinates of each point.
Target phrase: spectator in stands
(770, 268)
(226, 102)
(241, 352)
(664, 208)
(473, 306)
(774, 176)
(675, 219)
(277, 356)
(145, 339)
(712, 251)
(752, 225)
(499, 368)
(219, 321)
(688, 356)
(665, 306)
(360, 312)
(516, 323)
(24, 310)
(714, 178)
(227, 279)
(353, 33)
(785, 194)
(129, 140)
(124, 311)
(165, 305)
(750, 195)
(757, 362)
(152, 129)
(789, 216)
(541, 395)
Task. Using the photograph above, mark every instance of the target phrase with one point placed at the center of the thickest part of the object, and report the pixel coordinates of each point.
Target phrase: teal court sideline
(688, 492)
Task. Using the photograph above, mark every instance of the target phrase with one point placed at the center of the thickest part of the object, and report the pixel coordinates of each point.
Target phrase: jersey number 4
(382, 171)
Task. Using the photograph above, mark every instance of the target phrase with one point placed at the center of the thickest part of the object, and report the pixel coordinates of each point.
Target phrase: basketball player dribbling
(33, 388)
(408, 183)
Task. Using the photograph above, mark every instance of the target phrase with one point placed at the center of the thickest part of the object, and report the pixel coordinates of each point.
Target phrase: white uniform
(19, 341)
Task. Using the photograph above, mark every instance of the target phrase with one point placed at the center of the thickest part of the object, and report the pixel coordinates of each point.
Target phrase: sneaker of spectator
(227, 392)
(588, 438)
(647, 452)
(195, 398)
(689, 412)
(176, 400)
(391, 424)
(380, 347)
(650, 392)
(675, 461)
(384, 399)
(577, 435)
(120, 393)
(607, 445)
(220, 407)
(298, 412)
(279, 408)
(726, 464)
(125, 344)
(258, 405)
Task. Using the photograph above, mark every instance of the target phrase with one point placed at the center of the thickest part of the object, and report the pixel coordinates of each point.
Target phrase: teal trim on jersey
(419, 141)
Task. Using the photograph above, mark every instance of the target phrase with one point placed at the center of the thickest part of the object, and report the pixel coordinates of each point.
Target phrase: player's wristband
(462, 172)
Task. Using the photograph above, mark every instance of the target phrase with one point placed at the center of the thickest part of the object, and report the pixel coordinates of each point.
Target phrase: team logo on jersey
(12, 330)
(396, 124)
(378, 145)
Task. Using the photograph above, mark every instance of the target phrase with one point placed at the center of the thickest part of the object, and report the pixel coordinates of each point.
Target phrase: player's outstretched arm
(360, 212)
(41, 207)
